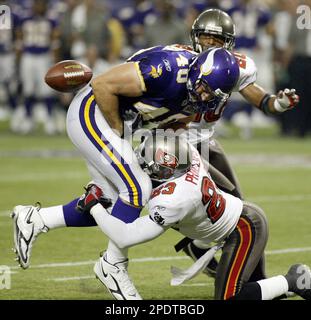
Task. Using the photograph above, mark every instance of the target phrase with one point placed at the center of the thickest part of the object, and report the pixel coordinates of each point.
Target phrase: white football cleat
(116, 279)
(27, 226)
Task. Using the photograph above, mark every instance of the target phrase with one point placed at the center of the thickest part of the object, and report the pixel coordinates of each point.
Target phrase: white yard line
(282, 198)
(90, 262)
(72, 278)
(43, 176)
(148, 259)
(5, 213)
(288, 250)
(141, 260)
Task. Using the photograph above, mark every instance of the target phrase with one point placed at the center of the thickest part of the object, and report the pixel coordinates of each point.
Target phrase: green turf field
(275, 173)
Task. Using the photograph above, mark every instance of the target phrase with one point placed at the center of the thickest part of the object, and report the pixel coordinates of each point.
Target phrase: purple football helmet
(218, 71)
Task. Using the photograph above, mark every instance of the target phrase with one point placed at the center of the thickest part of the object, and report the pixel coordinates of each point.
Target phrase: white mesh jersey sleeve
(124, 234)
(248, 71)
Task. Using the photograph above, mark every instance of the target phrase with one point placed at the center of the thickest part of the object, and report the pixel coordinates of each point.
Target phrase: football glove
(286, 100)
(93, 195)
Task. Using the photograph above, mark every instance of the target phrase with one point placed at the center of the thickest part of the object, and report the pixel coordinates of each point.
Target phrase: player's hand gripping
(93, 195)
(285, 100)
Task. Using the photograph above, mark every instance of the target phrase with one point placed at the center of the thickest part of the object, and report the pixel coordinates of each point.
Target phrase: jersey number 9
(215, 203)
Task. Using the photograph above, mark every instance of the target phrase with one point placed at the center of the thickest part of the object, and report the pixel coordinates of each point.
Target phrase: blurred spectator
(94, 61)
(195, 7)
(133, 17)
(66, 29)
(89, 21)
(8, 68)
(249, 17)
(118, 40)
(296, 54)
(38, 41)
(167, 28)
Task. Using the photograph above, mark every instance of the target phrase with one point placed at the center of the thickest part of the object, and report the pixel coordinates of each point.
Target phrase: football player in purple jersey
(160, 85)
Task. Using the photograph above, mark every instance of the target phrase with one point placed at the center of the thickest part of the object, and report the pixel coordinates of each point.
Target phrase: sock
(125, 212)
(74, 218)
(49, 102)
(53, 217)
(11, 95)
(273, 287)
(114, 254)
(29, 101)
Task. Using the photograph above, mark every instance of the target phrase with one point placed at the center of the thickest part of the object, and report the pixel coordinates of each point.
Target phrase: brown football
(68, 76)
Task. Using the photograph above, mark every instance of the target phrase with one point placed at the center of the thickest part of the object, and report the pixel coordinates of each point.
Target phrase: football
(68, 76)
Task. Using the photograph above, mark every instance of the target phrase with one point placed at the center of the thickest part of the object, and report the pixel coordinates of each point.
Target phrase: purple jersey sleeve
(163, 73)
(156, 77)
(159, 69)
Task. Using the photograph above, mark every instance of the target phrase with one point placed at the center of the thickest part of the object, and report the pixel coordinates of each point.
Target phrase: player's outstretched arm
(270, 104)
(121, 80)
(124, 234)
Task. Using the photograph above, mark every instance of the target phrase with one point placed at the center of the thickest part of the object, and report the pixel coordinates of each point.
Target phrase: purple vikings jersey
(163, 71)
(37, 34)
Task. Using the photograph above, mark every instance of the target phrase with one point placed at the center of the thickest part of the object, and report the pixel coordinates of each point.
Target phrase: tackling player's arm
(270, 104)
(122, 80)
(123, 234)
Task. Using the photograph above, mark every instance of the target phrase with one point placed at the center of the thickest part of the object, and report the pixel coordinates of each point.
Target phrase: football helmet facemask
(164, 157)
(213, 22)
(217, 70)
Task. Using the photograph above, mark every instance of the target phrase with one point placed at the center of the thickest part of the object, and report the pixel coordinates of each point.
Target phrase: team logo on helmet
(207, 67)
(156, 72)
(166, 159)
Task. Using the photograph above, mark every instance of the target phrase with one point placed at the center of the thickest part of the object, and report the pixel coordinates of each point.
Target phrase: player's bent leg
(28, 224)
(116, 279)
(225, 178)
(112, 156)
(241, 252)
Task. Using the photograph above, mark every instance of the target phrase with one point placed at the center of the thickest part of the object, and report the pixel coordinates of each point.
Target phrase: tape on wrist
(264, 104)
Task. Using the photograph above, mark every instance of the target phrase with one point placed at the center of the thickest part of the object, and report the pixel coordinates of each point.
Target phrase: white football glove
(286, 100)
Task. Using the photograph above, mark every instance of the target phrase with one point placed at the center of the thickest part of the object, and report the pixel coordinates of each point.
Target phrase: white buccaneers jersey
(202, 128)
(194, 206)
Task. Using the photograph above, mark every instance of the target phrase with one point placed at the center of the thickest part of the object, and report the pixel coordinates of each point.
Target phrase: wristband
(264, 104)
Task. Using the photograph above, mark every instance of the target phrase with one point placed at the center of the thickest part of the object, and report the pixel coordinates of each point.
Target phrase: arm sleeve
(123, 234)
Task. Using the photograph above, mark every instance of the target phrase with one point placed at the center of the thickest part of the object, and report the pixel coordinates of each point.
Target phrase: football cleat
(93, 195)
(116, 279)
(27, 226)
(299, 280)
(195, 253)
